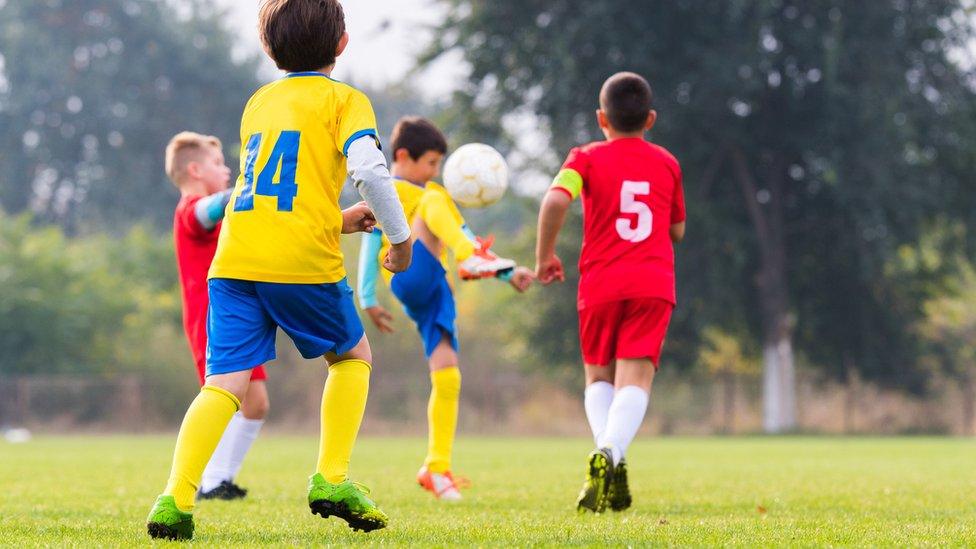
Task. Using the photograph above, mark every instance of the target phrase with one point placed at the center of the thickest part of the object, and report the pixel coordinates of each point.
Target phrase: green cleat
(619, 490)
(593, 496)
(346, 500)
(167, 521)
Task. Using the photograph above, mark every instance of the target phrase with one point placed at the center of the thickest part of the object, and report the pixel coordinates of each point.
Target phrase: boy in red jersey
(634, 209)
(195, 165)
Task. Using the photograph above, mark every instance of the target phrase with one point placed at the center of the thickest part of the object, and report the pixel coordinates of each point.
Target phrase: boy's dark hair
(301, 35)
(418, 135)
(626, 99)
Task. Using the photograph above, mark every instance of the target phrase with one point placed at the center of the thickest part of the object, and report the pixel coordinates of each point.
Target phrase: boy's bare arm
(677, 232)
(552, 215)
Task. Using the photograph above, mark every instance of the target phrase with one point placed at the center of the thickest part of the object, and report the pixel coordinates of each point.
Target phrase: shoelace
(361, 487)
(485, 245)
(459, 483)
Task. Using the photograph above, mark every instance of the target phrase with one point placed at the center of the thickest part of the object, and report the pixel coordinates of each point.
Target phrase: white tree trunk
(779, 387)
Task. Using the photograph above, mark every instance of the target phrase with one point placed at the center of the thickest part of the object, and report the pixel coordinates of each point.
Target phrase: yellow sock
(442, 414)
(203, 425)
(343, 404)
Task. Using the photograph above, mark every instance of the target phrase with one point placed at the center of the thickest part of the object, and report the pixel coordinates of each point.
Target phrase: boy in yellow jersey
(279, 265)
(423, 289)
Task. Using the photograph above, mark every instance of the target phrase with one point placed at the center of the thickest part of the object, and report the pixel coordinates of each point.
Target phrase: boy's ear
(193, 169)
(601, 119)
(651, 119)
(343, 42)
(401, 155)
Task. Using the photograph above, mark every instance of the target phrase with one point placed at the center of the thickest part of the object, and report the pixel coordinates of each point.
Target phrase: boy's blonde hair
(185, 147)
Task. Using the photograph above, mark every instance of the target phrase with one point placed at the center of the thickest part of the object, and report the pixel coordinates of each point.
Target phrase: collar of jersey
(420, 185)
(309, 73)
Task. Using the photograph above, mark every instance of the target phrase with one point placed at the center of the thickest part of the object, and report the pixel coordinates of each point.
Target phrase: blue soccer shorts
(427, 298)
(244, 317)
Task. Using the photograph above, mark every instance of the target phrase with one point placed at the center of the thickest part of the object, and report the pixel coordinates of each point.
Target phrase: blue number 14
(283, 155)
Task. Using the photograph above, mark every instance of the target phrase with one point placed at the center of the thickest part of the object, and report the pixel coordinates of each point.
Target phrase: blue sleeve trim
(357, 135)
(470, 234)
(369, 268)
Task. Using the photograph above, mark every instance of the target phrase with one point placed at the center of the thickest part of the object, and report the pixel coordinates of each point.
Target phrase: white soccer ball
(476, 175)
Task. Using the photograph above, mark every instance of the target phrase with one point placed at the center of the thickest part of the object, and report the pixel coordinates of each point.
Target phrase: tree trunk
(728, 380)
(779, 376)
(968, 405)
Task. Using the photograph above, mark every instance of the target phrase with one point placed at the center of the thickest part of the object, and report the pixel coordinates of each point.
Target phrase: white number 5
(645, 217)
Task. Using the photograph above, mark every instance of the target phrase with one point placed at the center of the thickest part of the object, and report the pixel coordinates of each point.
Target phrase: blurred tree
(816, 137)
(722, 354)
(92, 90)
(86, 305)
(949, 329)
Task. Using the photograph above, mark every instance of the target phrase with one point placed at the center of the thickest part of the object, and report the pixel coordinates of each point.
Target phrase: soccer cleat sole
(326, 509)
(600, 469)
(158, 530)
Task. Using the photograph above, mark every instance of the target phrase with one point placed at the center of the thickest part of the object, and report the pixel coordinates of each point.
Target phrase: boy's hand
(398, 258)
(381, 318)
(522, 279)
(550, 270)
(358, 219)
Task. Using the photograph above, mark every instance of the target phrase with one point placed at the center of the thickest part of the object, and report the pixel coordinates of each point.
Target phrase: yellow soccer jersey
(283, 221)
(424, 202)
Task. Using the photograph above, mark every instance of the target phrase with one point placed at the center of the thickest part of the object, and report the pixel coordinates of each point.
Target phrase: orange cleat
(442, 485)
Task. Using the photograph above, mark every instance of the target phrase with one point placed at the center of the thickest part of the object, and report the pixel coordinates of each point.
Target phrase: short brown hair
(626, 99)
(418, 135)
(185, 147)
(301, 35)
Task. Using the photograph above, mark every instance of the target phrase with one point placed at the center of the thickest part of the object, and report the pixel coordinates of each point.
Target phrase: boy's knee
(234, 383)
(255, 407)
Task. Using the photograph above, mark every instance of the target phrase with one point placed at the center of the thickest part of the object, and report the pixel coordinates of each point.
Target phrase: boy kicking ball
(634, 210)
(424, 290)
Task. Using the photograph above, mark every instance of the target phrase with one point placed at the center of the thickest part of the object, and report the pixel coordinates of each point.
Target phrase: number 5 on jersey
(629, 192)
(284, 155)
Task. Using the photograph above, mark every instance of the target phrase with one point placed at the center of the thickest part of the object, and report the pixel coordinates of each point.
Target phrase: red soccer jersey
(632, 194)
(195, 248)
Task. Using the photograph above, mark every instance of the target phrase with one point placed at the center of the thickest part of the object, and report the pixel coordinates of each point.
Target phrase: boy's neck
(326, 70)
(395, 172)
(613, 135)
(193, 188)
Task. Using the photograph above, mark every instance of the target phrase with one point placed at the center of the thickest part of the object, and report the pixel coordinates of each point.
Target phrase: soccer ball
(476, 175)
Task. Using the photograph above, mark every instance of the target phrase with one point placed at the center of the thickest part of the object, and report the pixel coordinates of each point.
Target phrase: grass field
(95, 491)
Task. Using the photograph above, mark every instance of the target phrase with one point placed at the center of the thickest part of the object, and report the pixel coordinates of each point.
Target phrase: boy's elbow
(677, 232)
(556, 200)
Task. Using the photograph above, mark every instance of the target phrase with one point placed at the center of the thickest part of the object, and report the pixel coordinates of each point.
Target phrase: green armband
(570, 181)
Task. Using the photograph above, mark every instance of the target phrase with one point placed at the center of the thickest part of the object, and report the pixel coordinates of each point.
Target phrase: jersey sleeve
(678, 200)
(572, 176)
(356, 120)
(369, 268)
(187, 221)
(436, 210)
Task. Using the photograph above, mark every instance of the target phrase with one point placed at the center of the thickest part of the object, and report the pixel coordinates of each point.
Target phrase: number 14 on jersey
(284, 155)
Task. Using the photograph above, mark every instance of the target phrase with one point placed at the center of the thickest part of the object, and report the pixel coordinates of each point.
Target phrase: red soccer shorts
(632, 328)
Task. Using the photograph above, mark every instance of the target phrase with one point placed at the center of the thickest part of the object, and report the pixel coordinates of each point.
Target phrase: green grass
(96, 491)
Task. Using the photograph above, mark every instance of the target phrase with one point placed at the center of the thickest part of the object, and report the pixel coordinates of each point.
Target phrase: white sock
(229, 455)
(624, 419)
(596, 401)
